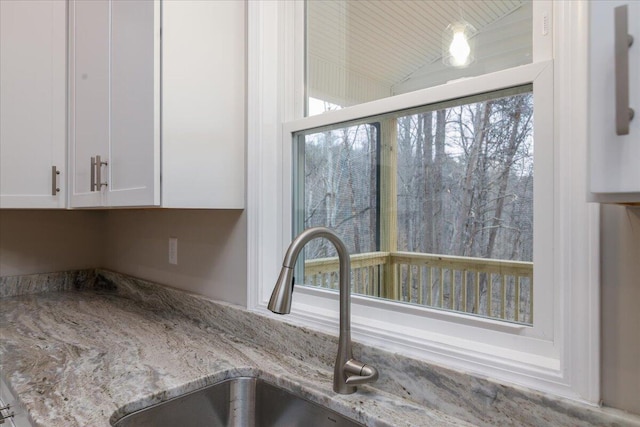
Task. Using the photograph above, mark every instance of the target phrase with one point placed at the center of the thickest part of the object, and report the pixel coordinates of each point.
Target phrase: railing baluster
(441, 287)
(464, 290)
(531, 299)
(452, 288)
(517, 310)
(409, 282)
(374, 289)
(477, 295)
(430, 286)
(372, 281)
(489, 294)
(398, 285)
(503, 309)
(366, 277)
(354, 280)
(420, 286)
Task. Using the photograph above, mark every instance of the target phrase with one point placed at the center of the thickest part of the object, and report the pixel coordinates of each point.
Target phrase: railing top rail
(488, 262)
(435, 260)
(383, 257)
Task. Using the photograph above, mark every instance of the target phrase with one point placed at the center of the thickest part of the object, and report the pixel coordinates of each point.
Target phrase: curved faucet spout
(347, 372)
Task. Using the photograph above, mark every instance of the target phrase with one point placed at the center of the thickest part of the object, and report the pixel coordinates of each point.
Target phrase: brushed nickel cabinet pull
(623, 41)
(98, 181)
(96, 173)
(54, 181)
(93, 173)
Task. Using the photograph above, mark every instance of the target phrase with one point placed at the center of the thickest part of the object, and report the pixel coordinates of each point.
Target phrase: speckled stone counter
(103, 345)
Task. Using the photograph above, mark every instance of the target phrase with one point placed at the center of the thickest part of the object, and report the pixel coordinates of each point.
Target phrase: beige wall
(620, 270)
(212, 254)
(43, 241)
(211, 246)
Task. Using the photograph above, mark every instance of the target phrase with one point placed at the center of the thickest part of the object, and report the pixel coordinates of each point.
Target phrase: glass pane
(435, 204)
(465, 195)
(340, 177)
(359, 51)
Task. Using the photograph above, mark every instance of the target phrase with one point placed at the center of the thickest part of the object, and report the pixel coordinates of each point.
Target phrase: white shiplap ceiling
(360, 46)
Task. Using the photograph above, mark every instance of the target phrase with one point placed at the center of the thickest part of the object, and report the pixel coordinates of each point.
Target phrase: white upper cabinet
(614, 89)
(33, 104)
(161, 102)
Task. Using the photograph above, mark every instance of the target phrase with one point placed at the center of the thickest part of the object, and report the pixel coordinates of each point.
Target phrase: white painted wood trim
(517, 76)
(580, 220)
(573, 370)
(270, 45)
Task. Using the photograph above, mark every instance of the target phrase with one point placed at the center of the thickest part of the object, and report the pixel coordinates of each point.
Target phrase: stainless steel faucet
(347, 372)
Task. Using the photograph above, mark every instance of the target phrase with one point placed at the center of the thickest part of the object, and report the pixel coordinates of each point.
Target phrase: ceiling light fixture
(458, 44)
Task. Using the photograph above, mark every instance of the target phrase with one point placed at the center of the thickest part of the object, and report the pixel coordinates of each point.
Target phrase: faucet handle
(359, 373)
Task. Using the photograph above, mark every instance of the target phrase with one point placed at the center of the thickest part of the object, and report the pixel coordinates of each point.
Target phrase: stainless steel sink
(238, 402)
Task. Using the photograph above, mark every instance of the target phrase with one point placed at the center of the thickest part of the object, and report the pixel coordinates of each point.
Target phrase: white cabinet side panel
(32, 103)
(203, 104)
(614, 160)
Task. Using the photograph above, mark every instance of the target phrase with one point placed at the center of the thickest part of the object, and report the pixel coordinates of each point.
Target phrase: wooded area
(464, 183)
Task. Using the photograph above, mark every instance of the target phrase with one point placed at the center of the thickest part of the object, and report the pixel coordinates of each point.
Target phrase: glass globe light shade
(458, 45)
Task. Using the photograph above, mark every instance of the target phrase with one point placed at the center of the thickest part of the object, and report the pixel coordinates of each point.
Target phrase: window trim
(540, 77)
(573, 371)
(488, 337)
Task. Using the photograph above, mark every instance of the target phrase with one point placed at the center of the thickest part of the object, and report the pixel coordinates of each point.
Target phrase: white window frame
(560, 354)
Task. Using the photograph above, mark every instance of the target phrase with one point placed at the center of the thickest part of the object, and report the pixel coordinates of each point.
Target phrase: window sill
(374, 324)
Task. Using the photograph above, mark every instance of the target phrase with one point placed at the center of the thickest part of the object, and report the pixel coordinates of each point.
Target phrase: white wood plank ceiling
(366, 48)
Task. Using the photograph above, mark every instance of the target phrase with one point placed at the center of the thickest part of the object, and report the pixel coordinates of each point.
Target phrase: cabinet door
(32, 103)
(134, 159)
(614, 159)
(115, 76)
(89, 97)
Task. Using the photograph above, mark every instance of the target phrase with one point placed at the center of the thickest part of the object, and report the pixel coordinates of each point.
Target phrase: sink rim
(304, 392)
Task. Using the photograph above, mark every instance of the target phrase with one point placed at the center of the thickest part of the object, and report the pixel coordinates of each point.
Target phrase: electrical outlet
(173, 250)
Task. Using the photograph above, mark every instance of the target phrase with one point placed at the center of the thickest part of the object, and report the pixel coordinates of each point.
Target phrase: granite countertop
(86, 348)
(87, 358)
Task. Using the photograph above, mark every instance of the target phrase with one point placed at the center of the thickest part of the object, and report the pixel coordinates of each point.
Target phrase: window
(454, 227)
(555, 350)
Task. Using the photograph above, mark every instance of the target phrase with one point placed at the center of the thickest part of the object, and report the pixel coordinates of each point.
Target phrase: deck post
(389, 203)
